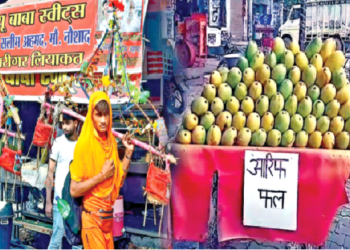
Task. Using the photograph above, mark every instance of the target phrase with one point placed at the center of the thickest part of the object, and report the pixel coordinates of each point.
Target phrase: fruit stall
(275, 130)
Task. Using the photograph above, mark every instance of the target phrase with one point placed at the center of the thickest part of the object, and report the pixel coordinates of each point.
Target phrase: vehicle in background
(324, 19)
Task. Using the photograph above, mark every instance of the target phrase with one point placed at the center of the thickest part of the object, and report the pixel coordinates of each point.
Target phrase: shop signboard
(214, 13)
(270, 190)
(48, 36)
(31, 87)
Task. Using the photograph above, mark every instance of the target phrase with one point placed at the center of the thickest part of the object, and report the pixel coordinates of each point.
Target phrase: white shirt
(132, 27)
(62, 153)
(104, 25)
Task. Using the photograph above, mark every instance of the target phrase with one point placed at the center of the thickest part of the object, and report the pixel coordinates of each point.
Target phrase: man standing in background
(60, 158)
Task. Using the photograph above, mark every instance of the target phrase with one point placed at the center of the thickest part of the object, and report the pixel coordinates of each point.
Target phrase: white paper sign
(270, 190)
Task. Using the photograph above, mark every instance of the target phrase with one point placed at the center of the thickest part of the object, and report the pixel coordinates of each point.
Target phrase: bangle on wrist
(127, 157)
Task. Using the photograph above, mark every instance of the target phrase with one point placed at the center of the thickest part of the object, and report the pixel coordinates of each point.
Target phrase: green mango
(328, 93)
(209, 92)
(347, 126)
(251, 50)
(313, 48)
(199, 135)
(259, 138)
(310, 124)
(294, 75)
(286, 88)
(282, 121)
(323, 124)
(229, 137)
(291, 104)
(217, 106)
(207, 120)
(270, 89)
(271, 60)
(225, 92)
(342, 140)
(301, 139)
(296, 123)
(276, 104)
(339, 78)
(279, 73)
(199, 106)
(305, 107)
(274, 138)
(234, 77)
(332, 108)
(288, 59)
(288, 138)
(279, 48)
(241, 91)
(309, 75)
(257, 61)
(190, 121)
(262, 105)
(224, 73)
(318, 109)
(314, 93)
(184, 136)
(242, 63)
(345, 110)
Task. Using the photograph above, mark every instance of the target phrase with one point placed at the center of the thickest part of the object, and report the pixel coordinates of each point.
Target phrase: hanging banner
(131, 22)
(48, 36)
(31, 87)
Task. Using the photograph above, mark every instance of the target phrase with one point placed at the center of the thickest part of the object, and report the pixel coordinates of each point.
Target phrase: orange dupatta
(91, 153)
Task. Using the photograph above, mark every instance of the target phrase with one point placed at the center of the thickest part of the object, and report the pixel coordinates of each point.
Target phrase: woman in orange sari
(97, 173)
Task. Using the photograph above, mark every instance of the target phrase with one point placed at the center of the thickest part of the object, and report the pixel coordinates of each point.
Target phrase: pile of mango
(285, 98)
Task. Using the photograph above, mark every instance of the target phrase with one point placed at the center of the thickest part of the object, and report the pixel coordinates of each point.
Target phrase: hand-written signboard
(270, 190)
(214, 13)
(46, 36)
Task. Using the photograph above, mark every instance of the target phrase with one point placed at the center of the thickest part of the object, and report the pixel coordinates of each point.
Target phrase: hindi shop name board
(270, 190)
(47, 36)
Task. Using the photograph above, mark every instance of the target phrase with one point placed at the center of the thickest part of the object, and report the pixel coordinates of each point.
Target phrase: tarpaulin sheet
(321, 190)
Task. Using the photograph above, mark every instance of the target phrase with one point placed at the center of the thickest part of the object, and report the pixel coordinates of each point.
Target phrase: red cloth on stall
(321, 190)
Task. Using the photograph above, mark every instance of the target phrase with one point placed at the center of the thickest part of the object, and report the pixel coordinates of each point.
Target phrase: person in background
(60, 158)
(105, 22)
(97, 174)
(131, 23)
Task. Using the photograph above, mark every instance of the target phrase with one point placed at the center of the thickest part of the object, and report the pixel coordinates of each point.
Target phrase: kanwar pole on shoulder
(168, 157)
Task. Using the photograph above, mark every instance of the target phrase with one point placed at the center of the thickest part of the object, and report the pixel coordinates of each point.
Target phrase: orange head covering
(91, 152)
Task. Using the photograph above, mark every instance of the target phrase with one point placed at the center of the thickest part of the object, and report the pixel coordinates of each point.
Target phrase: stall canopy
(43, 42)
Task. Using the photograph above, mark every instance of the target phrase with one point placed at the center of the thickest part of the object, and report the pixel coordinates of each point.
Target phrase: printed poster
(50, 36)
(131, 21)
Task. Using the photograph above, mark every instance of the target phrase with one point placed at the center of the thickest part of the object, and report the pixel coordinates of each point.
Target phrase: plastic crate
(15, 197)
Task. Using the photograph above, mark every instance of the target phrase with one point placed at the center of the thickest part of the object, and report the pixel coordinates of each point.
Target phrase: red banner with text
(48, 36)
(30, 87)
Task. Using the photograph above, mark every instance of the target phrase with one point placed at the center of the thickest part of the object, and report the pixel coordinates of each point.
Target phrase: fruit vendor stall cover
(321, 190)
